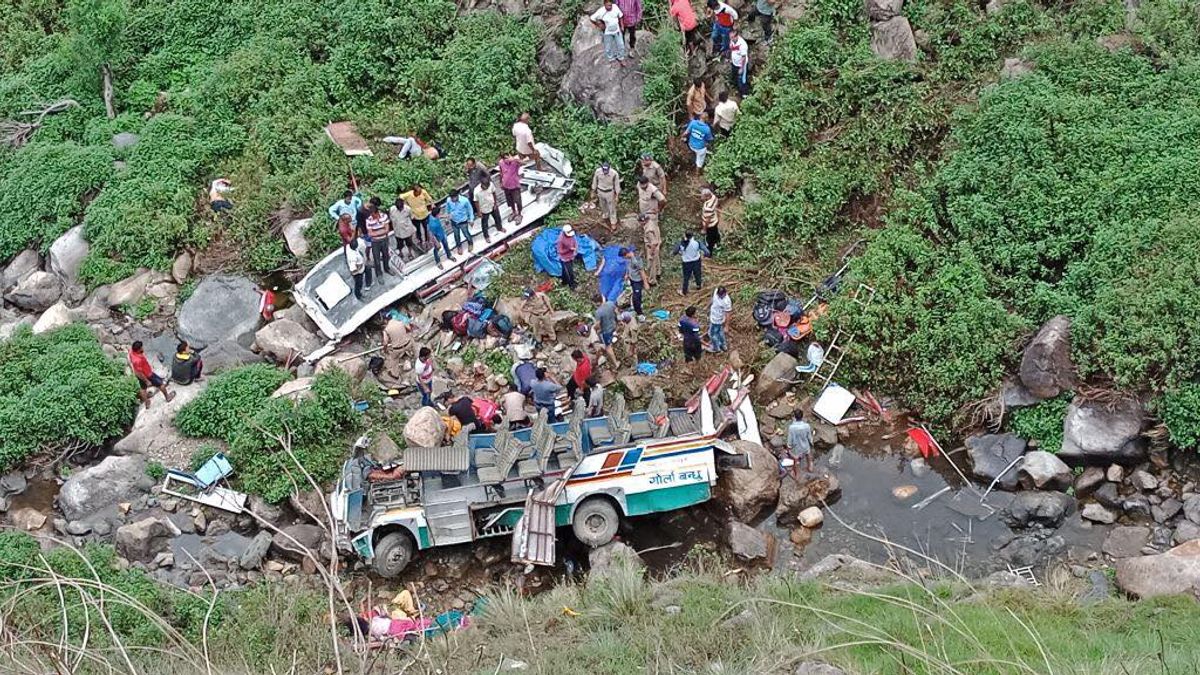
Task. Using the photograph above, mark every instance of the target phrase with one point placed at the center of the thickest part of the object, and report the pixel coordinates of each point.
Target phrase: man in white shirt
(725, 114)
(718, 313)
(739, 59)
(523, 136)
(608, 19)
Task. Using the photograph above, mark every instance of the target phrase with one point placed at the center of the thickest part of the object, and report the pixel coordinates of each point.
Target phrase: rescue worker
(606, 190)
(397, 347)
(537, 310)
(652, 236)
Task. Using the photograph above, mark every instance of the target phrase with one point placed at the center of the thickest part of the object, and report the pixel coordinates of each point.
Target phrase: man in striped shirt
(710, 218)
(378, 228)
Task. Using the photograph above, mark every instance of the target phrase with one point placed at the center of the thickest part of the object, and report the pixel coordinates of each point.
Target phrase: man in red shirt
(686, 17)
(567, 248)
(145, 375)
(583, 370)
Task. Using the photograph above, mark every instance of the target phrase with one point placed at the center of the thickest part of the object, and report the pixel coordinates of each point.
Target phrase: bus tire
(393, 552)
(595, 522)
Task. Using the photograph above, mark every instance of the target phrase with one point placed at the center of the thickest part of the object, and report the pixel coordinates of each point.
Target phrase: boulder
(553, 60)
(296, 313)
(181, 269)
(1191, 508)
(749, 491)
(795, 495)
(1014, 68)
(1126, 541)
(310, 504)
(254, 553)
(56, 316)
(27, 519)
(1032, 548)
(993, 455)
(97, 488)
(1143, 480)
(1038, 508)
(125, 140)
(153, 432)
(10, 323)
(1174, 572)
(1186, 531)
(67, 254)
(143, 540)
(384, 450)
(18, 268)
(1166, 510)
(746, 542)
(130, 291)
(811, 517)
(425, 429)
(636, 385)
(613, 557)
(294, 539)
(775, 378)
(1094, 434)
(36, 291)
(1115, 473)
(1108, 496)
(1098, 514)
(893, 40)
(611, 91)
(1044, 471)
(297, 389)
(1046, 366)
(355, 368)
(882, 10)
(284, 339)
(1091, 478)
(222, 309)
(293, 234)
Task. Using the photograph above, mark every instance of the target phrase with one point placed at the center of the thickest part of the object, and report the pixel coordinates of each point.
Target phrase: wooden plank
(346, 137)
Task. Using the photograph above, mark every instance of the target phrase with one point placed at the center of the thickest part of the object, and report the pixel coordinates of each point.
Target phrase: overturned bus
(586, 473)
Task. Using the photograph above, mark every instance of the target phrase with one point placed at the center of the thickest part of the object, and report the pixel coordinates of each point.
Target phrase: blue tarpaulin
(612, 279)
(545, 255)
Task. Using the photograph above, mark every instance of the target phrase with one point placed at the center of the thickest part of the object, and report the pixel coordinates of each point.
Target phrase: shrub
(42, 189)
(1042, 422)
(229, 401)
(57, 389)
(1179, 408)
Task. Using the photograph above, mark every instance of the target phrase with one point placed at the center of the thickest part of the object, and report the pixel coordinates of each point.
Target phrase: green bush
(1179, 408)
(232, 398)
(237, 408)
(60, 388)
(42, 188)
(1042, 422)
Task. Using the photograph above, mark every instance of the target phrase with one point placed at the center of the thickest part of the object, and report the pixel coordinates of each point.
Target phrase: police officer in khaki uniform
(654, 172)
(653, 239)
(606, 189)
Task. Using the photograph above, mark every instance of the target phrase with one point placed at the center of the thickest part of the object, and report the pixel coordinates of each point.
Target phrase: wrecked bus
(585, 473)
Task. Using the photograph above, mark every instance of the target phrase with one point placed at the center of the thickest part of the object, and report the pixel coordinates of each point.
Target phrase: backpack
(503, 325)
(766, 304)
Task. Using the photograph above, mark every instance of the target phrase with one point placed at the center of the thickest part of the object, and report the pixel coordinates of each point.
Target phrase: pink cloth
(567, 247)
(510, 174)
(631, 12)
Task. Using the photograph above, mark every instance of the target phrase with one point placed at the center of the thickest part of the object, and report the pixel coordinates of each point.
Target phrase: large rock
(293, 234)
(154, 433)
(130, 291)
(775, 378)
(56, 316)
(1126, 541)
(893, 40)
(223, 308)
(181, 269)
(254, 553)
(125, 140)
(612, 92)
(1094, 434)
(992, 457)
(882, 10)
(27, 519)
(96, 488)
(1044, 471)
(284, 339)
(36, 291)
(612, 558)
(18, 268)
(425, 429)
(1046, 366)
(1171, 573)
(1038, 508)
(67, 254)
(797, 495)
(748, 492)
(1098, 514)
(294, 539)
(746, 542)
(141, 541)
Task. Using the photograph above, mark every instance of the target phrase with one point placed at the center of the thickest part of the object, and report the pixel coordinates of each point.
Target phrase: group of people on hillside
(414, 223)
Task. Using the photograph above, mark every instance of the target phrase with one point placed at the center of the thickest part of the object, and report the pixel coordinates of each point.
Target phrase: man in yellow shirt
(419, 202)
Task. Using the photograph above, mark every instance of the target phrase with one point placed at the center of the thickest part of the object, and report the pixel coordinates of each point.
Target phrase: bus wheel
(595, 522)
(393, 552)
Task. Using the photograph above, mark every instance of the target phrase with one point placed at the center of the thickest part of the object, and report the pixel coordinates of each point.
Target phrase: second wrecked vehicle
(586, 473)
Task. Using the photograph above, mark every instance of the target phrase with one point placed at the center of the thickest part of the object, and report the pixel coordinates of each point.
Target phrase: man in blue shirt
(545, 390)
(349, 204)
(699, 136)
(437, 232)
(461, 214)
(691, 250)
